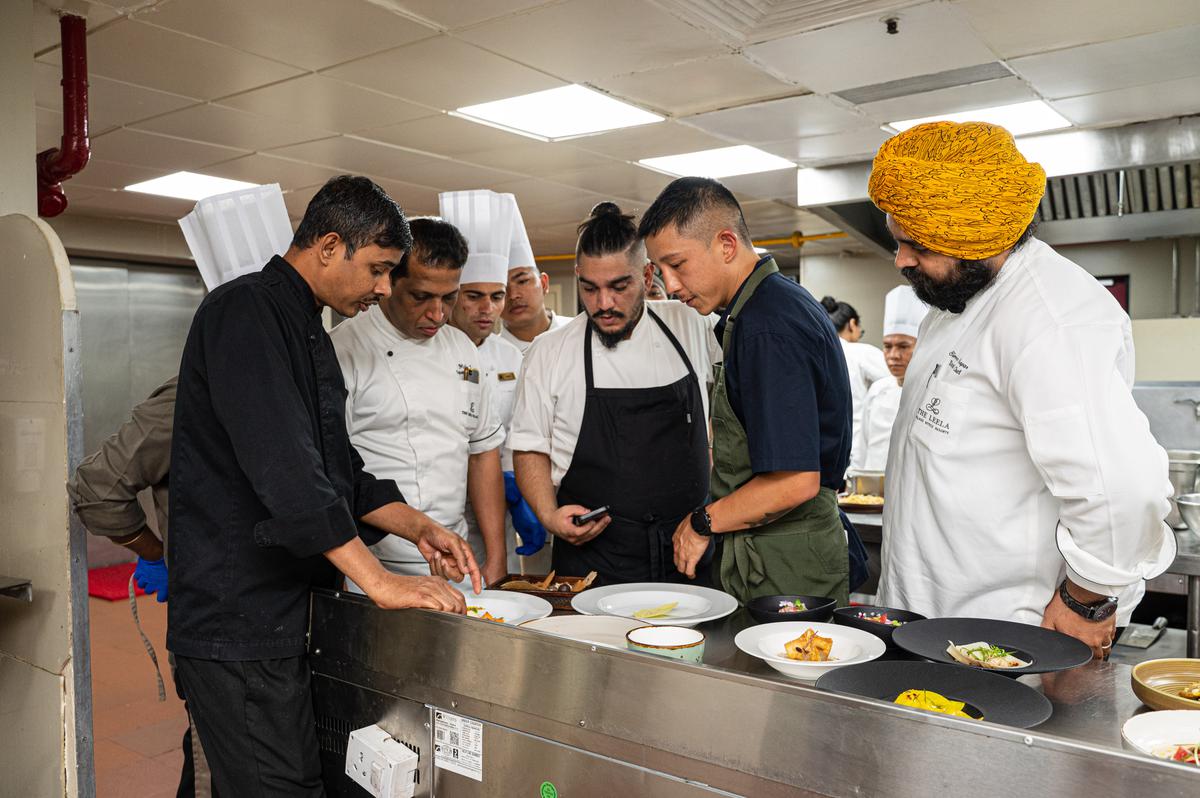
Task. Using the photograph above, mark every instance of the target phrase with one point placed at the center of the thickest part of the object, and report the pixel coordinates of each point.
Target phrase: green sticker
(549, 790)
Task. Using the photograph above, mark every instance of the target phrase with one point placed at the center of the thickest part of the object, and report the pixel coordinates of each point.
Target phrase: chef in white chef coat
(902, 315)
(864, 362)
(483, 217)
(525, 313)
(418, 409)
(1023, 481)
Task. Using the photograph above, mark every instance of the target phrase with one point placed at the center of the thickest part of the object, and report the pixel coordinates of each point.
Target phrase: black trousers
(255, 721)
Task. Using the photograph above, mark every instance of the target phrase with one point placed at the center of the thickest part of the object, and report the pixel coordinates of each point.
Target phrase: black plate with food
(1001, 647)
(770, 609)
(923, 685)
(879, 621)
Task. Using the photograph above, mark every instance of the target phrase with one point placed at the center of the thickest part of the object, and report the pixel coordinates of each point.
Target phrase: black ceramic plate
(848, 616)
(988, 697)
(764, 608)
(1045, 649)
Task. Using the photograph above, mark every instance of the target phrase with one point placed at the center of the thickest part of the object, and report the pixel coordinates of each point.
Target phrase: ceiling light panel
(721, 162)
(189, 186)
(1020, 119)
(562, 113)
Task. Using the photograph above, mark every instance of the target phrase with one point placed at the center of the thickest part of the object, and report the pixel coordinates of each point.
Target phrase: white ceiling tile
(809, 115)
(1156, 101)
(536, 158)
(534, 193)
(444, 73)
(354, 156)
(231, 128)
(570, 212)
(618, 180)
(296, 200)
(649, 141)
(415, 200)
(311, 34)
(1120, 64)
(1021, 27)
(585, 40)
(445, 135)
(263, 169)
(113, 175)
(161, 152)
(328, 103)
(451, 14)
(1005, 91)
(697, 85)
(776, 184)
(141, 54)
(934, 37)
(849, 145)
(111, 103)
(47, 32)
(131, 205)
(451, 175)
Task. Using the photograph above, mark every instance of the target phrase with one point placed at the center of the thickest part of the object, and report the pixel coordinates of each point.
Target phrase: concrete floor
(137, 736)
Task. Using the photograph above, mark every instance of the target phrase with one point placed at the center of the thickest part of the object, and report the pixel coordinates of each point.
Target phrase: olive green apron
(802, 553)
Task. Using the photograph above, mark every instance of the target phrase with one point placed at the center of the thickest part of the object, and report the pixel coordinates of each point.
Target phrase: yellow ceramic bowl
(1157, 682)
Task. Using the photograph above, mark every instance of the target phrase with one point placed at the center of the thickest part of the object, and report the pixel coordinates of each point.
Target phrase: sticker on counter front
(458, 744)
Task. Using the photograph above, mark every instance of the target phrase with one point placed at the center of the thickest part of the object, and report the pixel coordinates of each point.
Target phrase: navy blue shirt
(788, 383)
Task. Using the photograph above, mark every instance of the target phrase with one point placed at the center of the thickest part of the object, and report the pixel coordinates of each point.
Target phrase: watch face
(1105, 610)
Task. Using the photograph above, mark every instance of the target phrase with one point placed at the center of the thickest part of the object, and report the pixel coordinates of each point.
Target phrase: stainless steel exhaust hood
(1115, 184)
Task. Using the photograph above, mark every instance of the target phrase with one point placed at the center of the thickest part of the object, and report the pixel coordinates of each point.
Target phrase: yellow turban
(959, 189)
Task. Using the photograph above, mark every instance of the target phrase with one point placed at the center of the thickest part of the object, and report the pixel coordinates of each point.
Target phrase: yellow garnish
(932, 702)
(656, 612)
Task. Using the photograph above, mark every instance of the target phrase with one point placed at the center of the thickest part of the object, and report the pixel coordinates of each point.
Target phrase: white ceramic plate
(1151, 732)
(514, 608)
(696, 604)
(600, 630)
(850, 646)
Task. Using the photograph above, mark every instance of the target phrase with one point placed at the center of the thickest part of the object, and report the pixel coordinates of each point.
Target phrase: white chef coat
(552, 389)
(556, 321)
(875, 433)
(501, 363)
(1018, 453)
(415, 418)
(866, 366)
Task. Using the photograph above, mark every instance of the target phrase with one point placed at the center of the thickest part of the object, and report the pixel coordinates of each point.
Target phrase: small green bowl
(675, 642)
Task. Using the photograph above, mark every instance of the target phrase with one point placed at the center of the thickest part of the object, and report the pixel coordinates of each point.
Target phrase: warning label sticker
(458, 744)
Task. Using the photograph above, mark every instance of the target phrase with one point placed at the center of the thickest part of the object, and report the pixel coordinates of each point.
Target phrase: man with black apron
(780, 405)
(627, 432)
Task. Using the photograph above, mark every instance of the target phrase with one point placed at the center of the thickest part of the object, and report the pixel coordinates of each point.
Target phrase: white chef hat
(520, 253)
(237, 233)
(485, 220)
(903, 312)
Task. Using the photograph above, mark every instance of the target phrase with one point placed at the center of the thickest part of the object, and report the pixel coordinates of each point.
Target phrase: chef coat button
(389, 353)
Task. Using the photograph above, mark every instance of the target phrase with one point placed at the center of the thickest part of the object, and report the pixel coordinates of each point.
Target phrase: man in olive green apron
(780, 405)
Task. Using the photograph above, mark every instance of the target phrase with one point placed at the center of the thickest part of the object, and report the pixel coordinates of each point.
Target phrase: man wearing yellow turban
(1023, 482)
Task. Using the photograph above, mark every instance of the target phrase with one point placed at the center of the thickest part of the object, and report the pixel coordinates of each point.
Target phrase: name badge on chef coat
(506, 376)
(468, 374)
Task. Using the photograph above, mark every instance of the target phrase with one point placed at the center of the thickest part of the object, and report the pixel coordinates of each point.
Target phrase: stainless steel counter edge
(735, 731)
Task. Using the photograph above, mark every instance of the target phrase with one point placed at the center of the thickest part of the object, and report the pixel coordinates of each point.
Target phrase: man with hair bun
(611, 413)
(1023, 481)
(780, 406)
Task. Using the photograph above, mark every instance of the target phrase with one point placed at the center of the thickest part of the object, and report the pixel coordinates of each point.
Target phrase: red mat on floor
(112, 582)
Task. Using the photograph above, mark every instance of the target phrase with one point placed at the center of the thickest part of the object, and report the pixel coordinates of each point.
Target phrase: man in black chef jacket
(269, 499)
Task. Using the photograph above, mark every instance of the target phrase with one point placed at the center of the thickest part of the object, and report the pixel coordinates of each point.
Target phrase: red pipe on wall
(55, 166)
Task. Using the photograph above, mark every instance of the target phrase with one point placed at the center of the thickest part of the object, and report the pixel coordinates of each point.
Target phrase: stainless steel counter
(594, 721)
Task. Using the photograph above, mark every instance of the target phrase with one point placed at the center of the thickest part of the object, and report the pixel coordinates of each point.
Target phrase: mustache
(608, 314)
(969, 278)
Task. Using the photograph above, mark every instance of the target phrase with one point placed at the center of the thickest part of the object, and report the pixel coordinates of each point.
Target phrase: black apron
(643, 452)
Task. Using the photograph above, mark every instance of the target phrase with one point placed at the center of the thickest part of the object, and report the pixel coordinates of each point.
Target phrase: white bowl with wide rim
(850, 647)
(694, 604)
(513, 608)
(1153, 732)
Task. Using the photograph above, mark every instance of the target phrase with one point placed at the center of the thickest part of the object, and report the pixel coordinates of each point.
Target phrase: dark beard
(610, 340)
(969, 278)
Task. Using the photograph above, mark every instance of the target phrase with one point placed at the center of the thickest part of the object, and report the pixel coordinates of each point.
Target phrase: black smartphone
(587, 518)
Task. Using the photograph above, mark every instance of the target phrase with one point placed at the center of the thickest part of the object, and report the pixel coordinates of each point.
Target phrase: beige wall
(1167, 349)
(1148, 264)
(862, 280)
(18, 126)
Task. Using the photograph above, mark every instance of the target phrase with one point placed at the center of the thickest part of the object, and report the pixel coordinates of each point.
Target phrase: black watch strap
(1099, 611)
(701, 522)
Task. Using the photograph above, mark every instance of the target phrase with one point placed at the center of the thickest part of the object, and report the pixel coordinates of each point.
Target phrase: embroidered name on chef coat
(506, 376)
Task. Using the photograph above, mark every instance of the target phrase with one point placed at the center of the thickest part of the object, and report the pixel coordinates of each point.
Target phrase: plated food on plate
(878, 617)
(506, 608)
(930, 701)
(809, 647)
(481, 612)
(1173, 735)
(1188, 754)
(551, 583)
(863, 499)
(770, 609)
(657, 603)
(1171, 683)
(879, 621)
(1191, 692)
(985, 655)
(661, 611)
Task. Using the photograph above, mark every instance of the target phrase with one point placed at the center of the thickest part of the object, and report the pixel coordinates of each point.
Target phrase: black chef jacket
(263, 476)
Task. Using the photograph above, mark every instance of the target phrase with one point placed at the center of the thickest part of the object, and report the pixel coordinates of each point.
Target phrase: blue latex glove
(151, 576)
(525, 522)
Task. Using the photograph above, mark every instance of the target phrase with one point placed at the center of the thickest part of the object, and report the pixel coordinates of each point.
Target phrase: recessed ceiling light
(188, 186)
(721, 162)
(562, 113)
(1020, 119)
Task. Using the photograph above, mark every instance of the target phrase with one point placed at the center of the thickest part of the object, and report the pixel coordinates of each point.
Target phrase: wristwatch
(701, 522)
(1101, 610)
